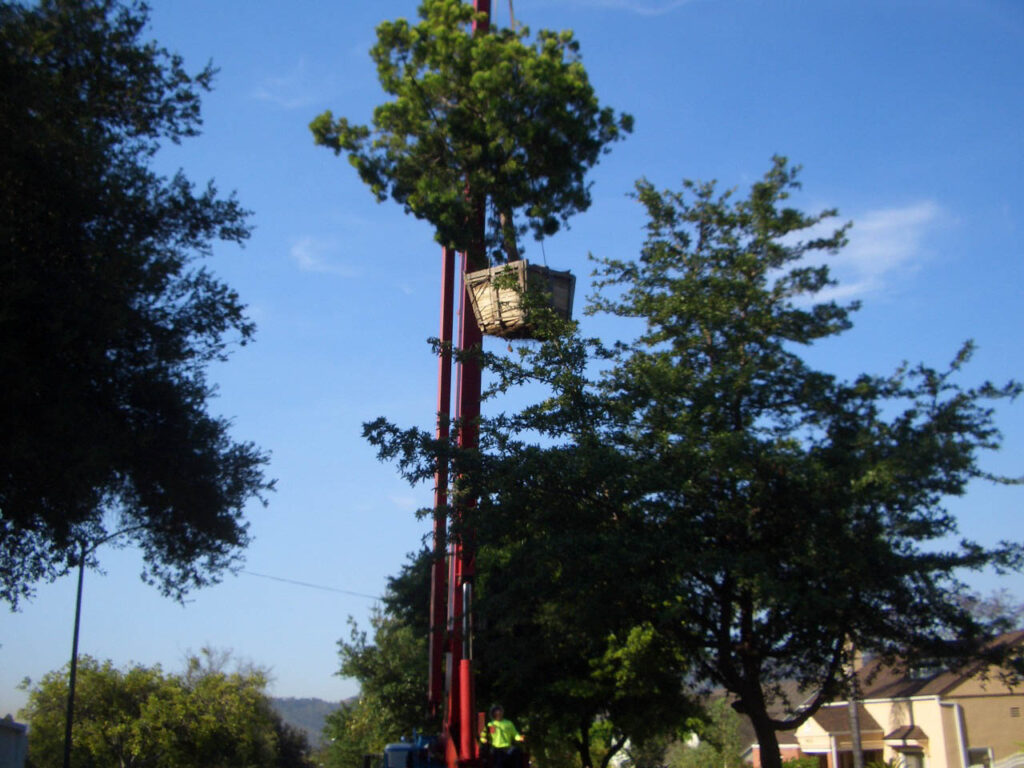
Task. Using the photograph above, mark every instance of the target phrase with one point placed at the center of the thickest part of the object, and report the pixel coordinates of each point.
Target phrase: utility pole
(70, 715)
(84, 552)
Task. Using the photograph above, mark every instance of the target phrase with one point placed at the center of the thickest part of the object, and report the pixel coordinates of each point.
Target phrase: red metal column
(461, 746)
(468, 415)
(460, 708)
(438, 575)
(483, 6)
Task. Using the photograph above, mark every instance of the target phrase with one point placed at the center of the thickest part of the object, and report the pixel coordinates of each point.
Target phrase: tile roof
(907, 732)
(836, 719)
(881, 682)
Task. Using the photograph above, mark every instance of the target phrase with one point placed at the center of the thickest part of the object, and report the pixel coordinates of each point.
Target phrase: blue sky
(906, 115)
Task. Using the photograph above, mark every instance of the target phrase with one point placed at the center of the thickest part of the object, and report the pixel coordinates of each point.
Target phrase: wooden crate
(498, 308)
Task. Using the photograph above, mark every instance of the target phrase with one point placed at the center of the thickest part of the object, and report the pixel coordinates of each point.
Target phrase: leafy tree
(719, 741)
(142, 716)
(293, 748)
(494, 123)
(565, 637)
(489, 136)
(650, 754)
(999, 610)
(564, 716)
(106, 322)
(108, 727)
(392, 675)
(711, 508)
(794, 516)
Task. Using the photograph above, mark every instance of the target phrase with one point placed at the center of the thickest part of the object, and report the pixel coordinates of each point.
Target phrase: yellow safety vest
(500, 734)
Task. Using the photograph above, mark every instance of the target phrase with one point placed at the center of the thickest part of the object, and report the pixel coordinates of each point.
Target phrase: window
(926, 669)
(979, 757)
(913, 760)
(1014, 711)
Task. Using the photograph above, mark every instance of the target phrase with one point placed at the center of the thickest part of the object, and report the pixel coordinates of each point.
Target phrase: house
(922, 717)
(926, 717)
(13, 743)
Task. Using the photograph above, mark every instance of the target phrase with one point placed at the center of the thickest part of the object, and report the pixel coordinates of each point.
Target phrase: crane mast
(450, 682)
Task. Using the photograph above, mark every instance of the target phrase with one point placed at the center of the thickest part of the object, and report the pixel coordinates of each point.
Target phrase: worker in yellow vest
(503, 738)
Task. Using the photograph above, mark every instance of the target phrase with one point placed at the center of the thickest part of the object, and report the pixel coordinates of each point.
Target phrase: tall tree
(794, 517)
(564, 628)
(497, 124)
(142, 716)
(488, 136)
(107, 323)
(711, 508)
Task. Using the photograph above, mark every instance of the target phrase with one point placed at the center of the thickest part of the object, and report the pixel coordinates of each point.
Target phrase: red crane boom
(450, 675)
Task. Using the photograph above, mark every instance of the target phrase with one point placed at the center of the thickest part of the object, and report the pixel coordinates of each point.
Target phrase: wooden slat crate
(498, 308)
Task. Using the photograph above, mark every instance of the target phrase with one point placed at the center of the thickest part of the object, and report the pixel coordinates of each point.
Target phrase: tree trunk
(508, 236)
(767, 739)
(583, 745)
(613, 750)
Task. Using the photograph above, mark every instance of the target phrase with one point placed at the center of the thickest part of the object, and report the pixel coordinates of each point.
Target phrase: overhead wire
(311, 586)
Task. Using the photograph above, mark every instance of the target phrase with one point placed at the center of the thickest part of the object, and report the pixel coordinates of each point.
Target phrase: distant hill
(307, 714)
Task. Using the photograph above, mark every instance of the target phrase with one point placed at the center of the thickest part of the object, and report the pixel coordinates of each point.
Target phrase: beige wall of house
(994, 721)
(993, 713)
(813, 738)
(925, 713)
(955, 735)
(948, 719)
(979, 722)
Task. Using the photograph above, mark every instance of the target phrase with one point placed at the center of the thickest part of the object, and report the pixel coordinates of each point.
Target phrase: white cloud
(289, 91)
(883, 244)
(314, 255)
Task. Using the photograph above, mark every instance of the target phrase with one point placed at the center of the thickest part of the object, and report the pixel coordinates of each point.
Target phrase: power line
(311, 586)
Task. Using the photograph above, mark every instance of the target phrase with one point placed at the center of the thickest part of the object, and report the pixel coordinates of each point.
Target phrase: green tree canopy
(798, 516)
(716, 742)
(565, 635)
(566, 632)
(106, 322)
(479, 122)
(142, 717)
(701, 504)
(391, 669)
